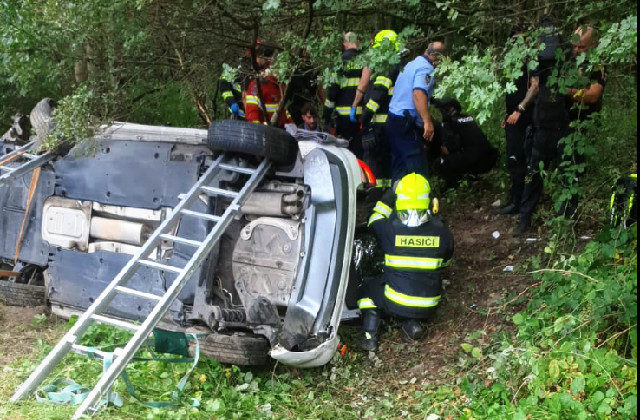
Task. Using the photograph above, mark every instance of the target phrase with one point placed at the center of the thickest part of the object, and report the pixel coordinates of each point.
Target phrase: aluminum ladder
(26, 162)
(118, 284)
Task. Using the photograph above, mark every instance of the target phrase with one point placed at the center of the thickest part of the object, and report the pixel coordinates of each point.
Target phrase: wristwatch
(521, 108)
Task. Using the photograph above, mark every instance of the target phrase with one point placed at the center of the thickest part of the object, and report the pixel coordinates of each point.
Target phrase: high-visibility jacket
(622, 207)
(231, 91)
(413, 259)
(270, 92)
(378, 97)
(342, 88)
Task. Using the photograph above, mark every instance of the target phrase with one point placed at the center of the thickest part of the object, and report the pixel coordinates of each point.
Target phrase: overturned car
(273, 284)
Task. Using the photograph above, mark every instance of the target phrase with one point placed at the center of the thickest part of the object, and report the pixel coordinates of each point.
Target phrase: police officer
(416, 245)
(465, 149)
(515, 124)
(409, 120)
(553, 115)
(375, 143)
(341, 94)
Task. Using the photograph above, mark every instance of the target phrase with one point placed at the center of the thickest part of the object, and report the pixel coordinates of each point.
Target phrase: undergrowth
(575, 351)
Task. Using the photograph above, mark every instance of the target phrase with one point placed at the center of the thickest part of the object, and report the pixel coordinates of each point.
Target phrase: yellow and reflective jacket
(376, 101)
(342, 87)
(414, 257)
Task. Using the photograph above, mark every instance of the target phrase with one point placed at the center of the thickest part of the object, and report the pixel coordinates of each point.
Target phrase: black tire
(41, 118)
(242, 349)
(18, 294)
(253, 139)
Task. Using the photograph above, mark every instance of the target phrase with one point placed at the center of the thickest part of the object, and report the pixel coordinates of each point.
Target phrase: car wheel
(18, 294)
(41, 119)
(254, 139)
(235, 348)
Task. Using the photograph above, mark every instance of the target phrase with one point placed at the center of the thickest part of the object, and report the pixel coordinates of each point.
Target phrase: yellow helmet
(412, 193)
(389, 35)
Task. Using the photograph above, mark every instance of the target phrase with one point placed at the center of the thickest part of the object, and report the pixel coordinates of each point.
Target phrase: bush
(575, 351)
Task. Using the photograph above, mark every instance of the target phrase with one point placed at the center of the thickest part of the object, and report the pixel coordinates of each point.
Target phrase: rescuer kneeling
(417, 246)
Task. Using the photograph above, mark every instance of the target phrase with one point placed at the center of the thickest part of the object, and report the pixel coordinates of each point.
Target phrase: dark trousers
(377, 152)
(350, 131)
(407, 155)
(373, 288)
(545, 149)
(516, 159)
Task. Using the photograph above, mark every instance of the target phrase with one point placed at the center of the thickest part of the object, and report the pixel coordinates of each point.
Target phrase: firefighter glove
(352, 114)
(235, 108)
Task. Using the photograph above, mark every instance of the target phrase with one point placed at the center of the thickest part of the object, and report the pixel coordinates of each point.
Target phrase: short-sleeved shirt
(417, 74)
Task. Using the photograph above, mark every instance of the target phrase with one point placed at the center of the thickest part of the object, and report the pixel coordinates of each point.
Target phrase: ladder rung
(234, 168)
(178, 239)
(6, 168)
(86, 351)
(28, 156)
(114, 322)
(159, 266)
(200, 215)
(138, 293)
(219, 191)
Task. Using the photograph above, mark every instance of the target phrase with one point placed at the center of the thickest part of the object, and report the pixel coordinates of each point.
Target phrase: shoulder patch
(427, 78)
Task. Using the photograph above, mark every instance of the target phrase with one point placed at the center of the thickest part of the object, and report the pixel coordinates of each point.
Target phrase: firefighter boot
(370, 325)
(412, 330)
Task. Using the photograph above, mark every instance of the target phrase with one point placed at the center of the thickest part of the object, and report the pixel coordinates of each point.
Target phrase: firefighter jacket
(232, 93)
(232, 90)
(270, 92)
(378, 97)
(413, 259)
(342, 89)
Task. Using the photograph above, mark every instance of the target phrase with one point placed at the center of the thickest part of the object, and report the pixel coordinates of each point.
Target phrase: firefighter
(622, 207)
(264, 93)
(375, 144)
(341, 94)
(417, 246)
(232, 90)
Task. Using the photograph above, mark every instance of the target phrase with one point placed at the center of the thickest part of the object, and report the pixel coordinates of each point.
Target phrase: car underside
(274, 283)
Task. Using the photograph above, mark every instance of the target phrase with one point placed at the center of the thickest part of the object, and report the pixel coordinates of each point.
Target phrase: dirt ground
(19, 330)
(477, 284)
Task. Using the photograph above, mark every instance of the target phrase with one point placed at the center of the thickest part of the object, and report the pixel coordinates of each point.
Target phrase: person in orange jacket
(264, 93)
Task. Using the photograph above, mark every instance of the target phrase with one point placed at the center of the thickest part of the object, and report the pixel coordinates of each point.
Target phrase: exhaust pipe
(274, 203)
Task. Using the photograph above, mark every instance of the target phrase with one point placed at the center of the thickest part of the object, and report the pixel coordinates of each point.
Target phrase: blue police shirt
(417, 74)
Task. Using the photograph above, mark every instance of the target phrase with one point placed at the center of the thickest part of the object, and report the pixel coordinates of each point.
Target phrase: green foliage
(73, 120)
(472, 80)
(619, 44)
(575, 352)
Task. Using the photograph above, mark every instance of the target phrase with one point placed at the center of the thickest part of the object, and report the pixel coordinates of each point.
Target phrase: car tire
(243, 349)
(18, 294)
(41, 118)
(253, 139)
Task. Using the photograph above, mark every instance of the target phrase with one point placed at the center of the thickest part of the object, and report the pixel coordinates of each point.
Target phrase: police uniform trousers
(516, 157)
(545, 148)
(407, 155)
